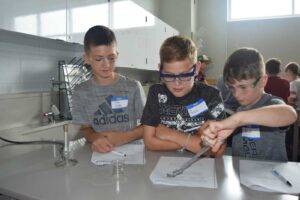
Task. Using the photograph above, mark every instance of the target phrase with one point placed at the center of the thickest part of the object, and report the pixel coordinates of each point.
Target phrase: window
(82, 18)
(53, 24)
(297, 7)
(132, 16)
(26, 24)
(261, 9)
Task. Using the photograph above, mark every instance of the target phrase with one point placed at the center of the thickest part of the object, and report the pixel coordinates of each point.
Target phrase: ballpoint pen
(118, 153)
(284, 180)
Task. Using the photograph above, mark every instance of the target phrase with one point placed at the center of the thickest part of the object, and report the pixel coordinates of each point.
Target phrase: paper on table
(134, 155)
(257, 175)
(200, 174)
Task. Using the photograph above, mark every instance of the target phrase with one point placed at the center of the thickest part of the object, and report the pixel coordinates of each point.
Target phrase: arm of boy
(118, 138)
(153, 142)
(191, 143)
(265, 116)
(106, 141)
(221, 145)
(98, 142)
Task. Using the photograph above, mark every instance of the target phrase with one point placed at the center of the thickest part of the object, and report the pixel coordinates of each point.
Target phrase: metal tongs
(187, 164)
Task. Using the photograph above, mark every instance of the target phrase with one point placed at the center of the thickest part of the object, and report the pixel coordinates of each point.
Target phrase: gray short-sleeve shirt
(99, 106)
(269, 144)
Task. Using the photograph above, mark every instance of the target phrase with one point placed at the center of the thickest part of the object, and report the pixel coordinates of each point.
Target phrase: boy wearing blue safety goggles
(178, 107)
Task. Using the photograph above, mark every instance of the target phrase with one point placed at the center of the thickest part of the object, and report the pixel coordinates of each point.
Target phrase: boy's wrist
(185, 144)
(238, 119)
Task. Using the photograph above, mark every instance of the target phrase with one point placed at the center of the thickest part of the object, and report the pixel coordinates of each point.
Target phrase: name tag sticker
(197, 108)
(119, 102)
(251, 133)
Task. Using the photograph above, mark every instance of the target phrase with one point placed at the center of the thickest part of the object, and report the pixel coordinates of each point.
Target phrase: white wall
(273, 37)
(150, 5)
(211, 33)
(177, 13)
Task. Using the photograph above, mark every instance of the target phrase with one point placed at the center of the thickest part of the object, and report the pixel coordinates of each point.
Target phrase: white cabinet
(139, 46)
(157, 35)
(132, 47)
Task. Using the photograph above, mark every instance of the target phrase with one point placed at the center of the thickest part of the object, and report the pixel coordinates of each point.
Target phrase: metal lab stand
(69, 75)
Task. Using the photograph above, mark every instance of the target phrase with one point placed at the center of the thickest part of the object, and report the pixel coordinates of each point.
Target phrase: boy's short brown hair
(293, 67)
(98, 35)
(178, 48)
(244, 64)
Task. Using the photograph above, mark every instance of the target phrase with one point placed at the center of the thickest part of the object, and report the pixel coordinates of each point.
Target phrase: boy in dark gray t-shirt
(260, 115)
(108, 105)
(176, 110)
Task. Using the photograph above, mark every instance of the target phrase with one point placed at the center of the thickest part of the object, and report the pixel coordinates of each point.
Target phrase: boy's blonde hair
(178, 48)
(243, 64)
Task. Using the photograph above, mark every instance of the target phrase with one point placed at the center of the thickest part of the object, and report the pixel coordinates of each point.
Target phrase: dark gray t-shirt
(117, 106)
(265, 143)
(162, 107)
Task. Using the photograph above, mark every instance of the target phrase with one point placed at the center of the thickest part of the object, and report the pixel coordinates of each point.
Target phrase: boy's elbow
(294, 114)
(148, 143)
(291, 114)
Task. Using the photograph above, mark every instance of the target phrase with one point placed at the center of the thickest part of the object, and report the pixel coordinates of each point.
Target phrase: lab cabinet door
(157, 35)
(131, 22)
(132, 47)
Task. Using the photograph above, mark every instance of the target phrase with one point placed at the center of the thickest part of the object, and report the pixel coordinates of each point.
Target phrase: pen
(276, 173)
(191, 129)
(118, 153)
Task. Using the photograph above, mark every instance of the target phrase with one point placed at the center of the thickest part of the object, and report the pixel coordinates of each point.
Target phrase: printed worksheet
(131, 153)
(200, 174)
(259, 175)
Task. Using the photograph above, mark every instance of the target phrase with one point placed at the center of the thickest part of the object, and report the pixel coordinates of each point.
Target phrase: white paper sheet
(200, 174)
(258, 175)
(135, 154)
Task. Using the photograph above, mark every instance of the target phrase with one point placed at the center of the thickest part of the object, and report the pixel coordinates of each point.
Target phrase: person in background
(177, 108)
(260, 120)
(292, 75)
(205, 61)
(276, 86)
(109, 105)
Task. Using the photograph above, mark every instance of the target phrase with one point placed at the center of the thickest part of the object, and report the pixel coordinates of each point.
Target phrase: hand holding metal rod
(187, 164)
(202, 151)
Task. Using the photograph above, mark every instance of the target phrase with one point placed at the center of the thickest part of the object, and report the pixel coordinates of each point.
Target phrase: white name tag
(252, 133)
(197, 108)
(119, 102)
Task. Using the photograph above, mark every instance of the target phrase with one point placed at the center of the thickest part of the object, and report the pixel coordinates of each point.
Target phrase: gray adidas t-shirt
(104, 107)
(270, 145)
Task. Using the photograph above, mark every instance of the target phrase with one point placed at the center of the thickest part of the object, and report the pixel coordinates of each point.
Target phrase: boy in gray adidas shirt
(108, 105)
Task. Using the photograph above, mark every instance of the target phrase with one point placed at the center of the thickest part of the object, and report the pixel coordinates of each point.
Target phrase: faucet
(50, 117)
(52, 114)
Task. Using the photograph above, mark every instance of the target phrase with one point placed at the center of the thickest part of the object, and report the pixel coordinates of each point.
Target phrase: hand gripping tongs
(189, 162)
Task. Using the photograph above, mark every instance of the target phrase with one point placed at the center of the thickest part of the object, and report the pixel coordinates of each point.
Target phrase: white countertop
(32, 175)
